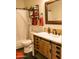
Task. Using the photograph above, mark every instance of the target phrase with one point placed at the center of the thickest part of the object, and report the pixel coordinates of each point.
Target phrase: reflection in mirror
(53, 11)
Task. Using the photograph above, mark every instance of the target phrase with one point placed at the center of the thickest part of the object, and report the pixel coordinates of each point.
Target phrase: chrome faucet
(54, 31)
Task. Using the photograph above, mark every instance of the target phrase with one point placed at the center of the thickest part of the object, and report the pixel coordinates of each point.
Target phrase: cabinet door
(36, 43)
(46, 48)
(53, 51)
(43, 47)
(56, 51)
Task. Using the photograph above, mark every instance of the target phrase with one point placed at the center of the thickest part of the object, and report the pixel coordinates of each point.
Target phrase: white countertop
(51, 37)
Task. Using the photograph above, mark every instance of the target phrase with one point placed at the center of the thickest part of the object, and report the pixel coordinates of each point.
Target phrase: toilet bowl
(28, 46)
(23, 43)
(26, 42)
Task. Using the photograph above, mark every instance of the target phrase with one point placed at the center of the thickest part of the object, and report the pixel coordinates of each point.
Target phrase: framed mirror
(53, 12)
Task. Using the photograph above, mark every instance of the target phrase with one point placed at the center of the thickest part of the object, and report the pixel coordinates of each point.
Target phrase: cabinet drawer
(55, 56)
(46, 43)
(58, 57)
(58, 47)
(36, 43)
(36, 40)
(56, 51)
(35, 37)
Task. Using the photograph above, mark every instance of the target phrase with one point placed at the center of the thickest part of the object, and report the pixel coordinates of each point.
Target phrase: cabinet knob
(58, 48)
(57, 57)
(37, 48)
(58, 52)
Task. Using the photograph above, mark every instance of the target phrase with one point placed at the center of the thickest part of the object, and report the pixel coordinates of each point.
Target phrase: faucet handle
(54, 31)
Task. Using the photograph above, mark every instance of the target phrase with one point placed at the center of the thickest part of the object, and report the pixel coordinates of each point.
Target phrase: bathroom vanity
(47, 47)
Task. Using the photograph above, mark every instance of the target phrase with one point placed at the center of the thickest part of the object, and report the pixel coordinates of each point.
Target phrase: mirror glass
(53, 10)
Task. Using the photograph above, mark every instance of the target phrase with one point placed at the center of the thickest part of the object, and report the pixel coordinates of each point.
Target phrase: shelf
(35, 15)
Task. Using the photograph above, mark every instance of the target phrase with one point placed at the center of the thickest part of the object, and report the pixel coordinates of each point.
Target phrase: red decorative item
(34, 21)
(41, 22)
(35, 14)
(19, 54)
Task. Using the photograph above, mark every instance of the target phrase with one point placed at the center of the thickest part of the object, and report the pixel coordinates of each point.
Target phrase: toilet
(26, 44)
(24, 47)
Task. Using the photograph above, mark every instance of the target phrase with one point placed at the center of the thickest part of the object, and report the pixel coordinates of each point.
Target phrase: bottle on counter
(49, 31)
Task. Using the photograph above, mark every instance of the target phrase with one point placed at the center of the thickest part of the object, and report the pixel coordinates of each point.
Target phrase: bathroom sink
(47, 34)
(50, 36)
(43, 33)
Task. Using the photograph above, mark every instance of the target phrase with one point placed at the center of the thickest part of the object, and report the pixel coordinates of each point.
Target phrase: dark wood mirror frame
(46, 15)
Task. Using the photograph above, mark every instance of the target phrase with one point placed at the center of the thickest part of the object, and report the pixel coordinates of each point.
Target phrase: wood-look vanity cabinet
(56, 51)
(45, 49)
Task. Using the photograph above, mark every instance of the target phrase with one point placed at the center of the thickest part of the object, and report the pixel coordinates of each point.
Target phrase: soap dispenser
(49, 30)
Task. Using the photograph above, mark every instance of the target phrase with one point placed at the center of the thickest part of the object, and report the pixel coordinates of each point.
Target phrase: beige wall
(20, 4)
(41, 3)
